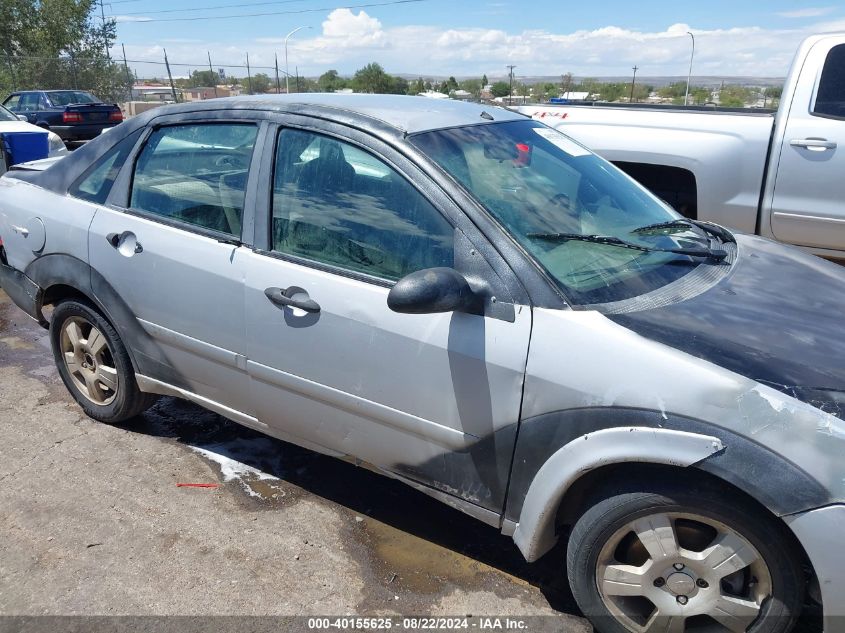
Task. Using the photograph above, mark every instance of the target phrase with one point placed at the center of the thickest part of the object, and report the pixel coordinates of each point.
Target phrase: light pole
(287, 74)
(510, 88)
(689, 74)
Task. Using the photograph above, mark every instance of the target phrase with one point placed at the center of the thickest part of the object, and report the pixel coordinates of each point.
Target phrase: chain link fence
(107, 78)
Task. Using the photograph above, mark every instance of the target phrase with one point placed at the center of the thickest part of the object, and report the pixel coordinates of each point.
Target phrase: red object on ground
(197, 485)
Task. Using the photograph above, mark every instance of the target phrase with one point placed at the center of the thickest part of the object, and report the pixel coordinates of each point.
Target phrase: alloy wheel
(673, 572)
(89, 361)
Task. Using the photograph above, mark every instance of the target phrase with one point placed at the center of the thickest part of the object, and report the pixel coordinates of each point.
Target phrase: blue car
(72, 114)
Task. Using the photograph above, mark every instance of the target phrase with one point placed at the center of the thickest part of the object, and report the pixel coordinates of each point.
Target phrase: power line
(219, 6)
(257, 15)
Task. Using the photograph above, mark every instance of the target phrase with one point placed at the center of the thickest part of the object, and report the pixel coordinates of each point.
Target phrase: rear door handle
(293, 297)
(815, 144)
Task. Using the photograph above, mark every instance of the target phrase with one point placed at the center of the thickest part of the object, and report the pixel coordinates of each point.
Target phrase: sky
(473, 37)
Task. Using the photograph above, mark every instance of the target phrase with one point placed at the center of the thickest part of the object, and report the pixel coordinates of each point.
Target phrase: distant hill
(656, 81)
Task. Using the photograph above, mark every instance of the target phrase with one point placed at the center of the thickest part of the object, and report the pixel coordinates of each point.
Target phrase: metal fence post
(170, 76)
(211, 70)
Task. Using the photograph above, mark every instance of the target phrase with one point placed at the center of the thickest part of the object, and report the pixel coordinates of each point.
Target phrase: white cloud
(130, 18)
(809, 12)
(349, 40)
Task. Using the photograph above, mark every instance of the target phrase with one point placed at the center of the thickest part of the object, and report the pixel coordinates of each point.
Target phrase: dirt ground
(92, 521)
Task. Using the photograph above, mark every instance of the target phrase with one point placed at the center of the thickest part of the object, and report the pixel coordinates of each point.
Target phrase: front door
(171, 252)
(434, 397)
(807, 206)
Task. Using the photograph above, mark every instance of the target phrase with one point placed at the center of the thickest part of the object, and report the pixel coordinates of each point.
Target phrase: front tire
(94, 364)
(669, 558)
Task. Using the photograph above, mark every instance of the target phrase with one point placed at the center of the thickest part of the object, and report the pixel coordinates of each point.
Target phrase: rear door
(807, 207)
(434, 397)
(169, 244)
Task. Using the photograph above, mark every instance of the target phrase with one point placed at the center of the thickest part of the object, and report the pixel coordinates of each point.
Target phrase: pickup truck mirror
(433, 290)
(22, 117)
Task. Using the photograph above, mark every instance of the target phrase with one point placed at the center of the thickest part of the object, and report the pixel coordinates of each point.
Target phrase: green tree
(203, 78)
(331, 81)
(500, 89)
(397, 85)
(418, 87)
(472, 86)
(371, 78)
(449, 86)
(59, 44)
(735, 96)
(260, 83)
(484, 81)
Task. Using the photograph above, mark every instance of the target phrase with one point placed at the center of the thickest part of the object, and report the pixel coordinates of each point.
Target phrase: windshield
(5, 115)
(562, 203)
(68, 97)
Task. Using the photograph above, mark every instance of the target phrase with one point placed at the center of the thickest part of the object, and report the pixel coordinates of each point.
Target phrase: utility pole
(278, 85)
(510, 68)
(248, 75)
(211, 70)
(126, 68)
(689, 74)
(633, 81)
(170, 76)
(103, 16)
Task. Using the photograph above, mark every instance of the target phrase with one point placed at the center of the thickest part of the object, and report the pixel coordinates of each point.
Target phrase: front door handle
(293, 297)
(126, 239)
(814, 144)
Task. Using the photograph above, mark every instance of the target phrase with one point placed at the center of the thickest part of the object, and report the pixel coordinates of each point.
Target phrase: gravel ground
(92, 521)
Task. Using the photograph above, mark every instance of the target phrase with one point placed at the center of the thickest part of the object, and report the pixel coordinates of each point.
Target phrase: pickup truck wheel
(94, 364)
(668, 559)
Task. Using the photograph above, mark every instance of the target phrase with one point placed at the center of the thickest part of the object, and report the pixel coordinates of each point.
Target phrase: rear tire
(94, 364)
(653, 557)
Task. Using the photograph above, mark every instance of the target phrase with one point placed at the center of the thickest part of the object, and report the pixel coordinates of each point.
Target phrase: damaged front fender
(535, 532)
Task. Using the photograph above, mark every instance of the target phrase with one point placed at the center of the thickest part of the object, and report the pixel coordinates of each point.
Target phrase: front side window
(564, 205)
(336, 204)
(195, 174)
(29, 102)
(830, 98)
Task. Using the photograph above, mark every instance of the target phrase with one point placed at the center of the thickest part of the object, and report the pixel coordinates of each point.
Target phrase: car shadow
(360, 490)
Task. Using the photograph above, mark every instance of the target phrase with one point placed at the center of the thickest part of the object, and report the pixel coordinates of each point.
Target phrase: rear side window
(95, 184)
(830, 99)
(196, 174)
(13, 102)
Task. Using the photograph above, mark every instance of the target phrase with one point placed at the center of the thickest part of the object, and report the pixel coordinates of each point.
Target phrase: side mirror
(22, 117)
(433, 290)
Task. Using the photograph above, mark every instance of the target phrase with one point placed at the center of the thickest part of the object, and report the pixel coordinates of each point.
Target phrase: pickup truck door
(433, 397)
(809, 188)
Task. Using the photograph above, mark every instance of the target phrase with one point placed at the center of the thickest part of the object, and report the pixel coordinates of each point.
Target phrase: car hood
(778, 317)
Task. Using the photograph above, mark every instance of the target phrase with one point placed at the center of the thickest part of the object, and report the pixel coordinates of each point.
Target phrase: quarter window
(95, 184)
(13, 103)
(336, 204)
(830, 99)
(195, 174)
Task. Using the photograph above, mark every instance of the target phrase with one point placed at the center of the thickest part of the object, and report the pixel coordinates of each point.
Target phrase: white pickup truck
(778, 174)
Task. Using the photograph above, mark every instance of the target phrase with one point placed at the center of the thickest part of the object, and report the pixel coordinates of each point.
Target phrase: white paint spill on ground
(228, 456)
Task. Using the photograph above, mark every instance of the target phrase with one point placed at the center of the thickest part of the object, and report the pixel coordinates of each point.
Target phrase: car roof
(405, 113)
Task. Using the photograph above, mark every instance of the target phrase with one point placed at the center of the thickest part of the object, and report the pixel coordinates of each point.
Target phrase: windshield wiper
(612, 240)
(682, 223)
(671, 224)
